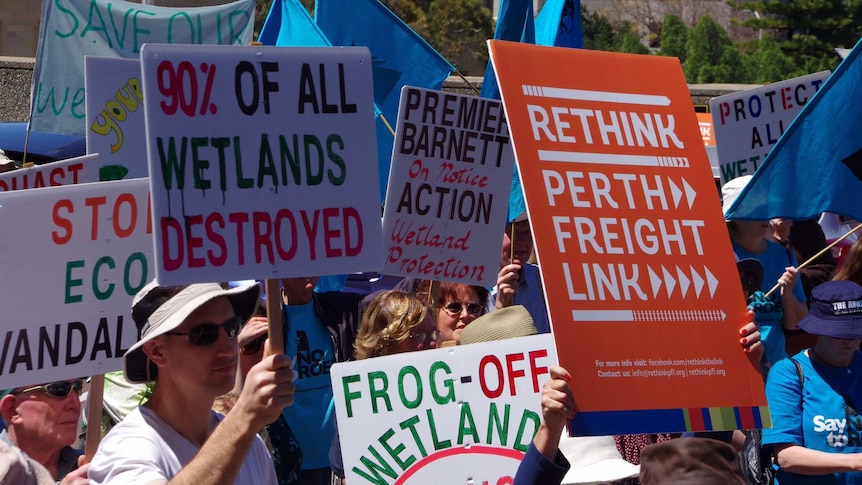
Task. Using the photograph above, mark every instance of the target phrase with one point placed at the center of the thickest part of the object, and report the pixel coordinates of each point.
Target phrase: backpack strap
(799, 373)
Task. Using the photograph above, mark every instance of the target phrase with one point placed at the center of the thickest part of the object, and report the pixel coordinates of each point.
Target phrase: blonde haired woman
(394, 322)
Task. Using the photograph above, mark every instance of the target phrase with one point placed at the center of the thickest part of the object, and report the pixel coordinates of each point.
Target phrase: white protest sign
(262, 162)
(442, 416)
(72, 29)
(746, 124)
(72, 259)
(115, 116)
(78, 170)
(448, 189)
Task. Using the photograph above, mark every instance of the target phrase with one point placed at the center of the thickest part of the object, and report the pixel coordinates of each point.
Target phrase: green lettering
(312, 178)
(502, 426)
(337, 160)
(200, 164)
(394, 452)
(447, 383)
(438, 445)
(522, 428)
(378, 393)
(241, 182)
(94, 9)
(415, 373)
(348, 394)
(374, 468)
(170, 164)
(411, 424)
(127, 271)
(467, 425)
(266, 165)
(70, 282)
(103, 261)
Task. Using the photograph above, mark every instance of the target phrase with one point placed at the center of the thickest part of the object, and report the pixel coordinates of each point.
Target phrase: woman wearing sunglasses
(42, 421)
(457, 306)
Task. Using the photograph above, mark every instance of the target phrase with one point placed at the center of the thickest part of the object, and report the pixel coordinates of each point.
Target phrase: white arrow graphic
(690, 193)
(711, 281)
(675, 192)
(697, 280)
(648, 315)
(669, 282)
(683, 281)
(655, 280)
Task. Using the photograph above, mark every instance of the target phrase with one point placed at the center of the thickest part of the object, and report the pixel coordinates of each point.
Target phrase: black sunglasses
(60, 389)
(455, 308)
(254, 346)
(207, 333)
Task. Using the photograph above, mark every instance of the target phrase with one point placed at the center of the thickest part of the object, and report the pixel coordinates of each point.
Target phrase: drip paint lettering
(283, 160)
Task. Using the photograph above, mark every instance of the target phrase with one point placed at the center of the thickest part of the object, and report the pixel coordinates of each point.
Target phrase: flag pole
(812, 258)
(472, 86)
(388, 126)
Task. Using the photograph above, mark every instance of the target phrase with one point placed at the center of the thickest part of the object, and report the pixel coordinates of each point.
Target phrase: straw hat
(510, 322)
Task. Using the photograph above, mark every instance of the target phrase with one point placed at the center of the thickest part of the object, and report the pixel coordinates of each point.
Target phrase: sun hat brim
(173, 312)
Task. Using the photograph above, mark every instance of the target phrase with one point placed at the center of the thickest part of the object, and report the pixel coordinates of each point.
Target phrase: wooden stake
(94, 416)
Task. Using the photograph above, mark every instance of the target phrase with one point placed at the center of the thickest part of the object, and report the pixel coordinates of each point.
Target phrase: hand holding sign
(268, 389)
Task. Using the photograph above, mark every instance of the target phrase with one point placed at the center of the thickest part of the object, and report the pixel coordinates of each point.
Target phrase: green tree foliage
(711, 56)
(674, 38)
(458, 29)
(807, 30)
(599, 33)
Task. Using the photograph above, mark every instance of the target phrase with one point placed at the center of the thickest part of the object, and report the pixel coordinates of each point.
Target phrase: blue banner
(399, 56)
(816, 165)
(289, 24)
(72, 29)
(559, 24)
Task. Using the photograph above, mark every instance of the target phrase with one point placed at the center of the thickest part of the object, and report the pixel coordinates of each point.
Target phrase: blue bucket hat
(835, 310)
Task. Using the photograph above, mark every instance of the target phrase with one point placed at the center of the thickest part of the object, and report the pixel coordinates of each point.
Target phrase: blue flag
(289, 24)
(515, 23)
(399, 57)
(559, 24)
(816, 165)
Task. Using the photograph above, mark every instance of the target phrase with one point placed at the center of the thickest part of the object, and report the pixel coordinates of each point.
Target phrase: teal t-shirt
(311, 417)
(769, 312)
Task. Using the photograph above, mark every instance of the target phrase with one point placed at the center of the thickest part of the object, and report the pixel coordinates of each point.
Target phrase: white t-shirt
(143, 448)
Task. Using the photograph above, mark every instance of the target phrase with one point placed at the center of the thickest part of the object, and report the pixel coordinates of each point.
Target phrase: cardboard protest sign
(78, 170)
(639, 276)
(454, 415)
(115, 116)
(262, 162)
(448, 187)
(72, 29)
(72, 259)
(748, 123)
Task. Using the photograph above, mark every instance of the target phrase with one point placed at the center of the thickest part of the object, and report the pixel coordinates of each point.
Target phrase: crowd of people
(203, 397)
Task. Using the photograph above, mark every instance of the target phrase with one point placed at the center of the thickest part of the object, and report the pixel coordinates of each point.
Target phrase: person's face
(449, 323)
(840, 349)
(753, 228)
(423, 336)
(46, 421)
(207, 369)
(781, 228)
(523, 243)
(299, 290)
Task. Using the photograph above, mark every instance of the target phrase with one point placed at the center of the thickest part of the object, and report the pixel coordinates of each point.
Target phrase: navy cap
(835, 310)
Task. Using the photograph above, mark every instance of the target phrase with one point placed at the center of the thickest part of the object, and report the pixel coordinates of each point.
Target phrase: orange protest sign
(704, 121)
(643, 293)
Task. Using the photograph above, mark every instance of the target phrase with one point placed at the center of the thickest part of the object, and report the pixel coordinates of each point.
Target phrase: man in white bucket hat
(188, 348)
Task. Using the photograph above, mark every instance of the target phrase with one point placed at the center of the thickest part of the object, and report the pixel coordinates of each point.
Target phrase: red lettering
(513, 374)
(351, 213)
(329, 233)
(285, 255)
(491, 393)
(194, 242)
(534, 369)
(40, 181)
(786, 98)
(216, 219)
(262, 227)
(62, 222)
(311, 232)
(123, 232)
(57, 173)
(94, 203)
(239, 219)
(74, 169)
(168, 224)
